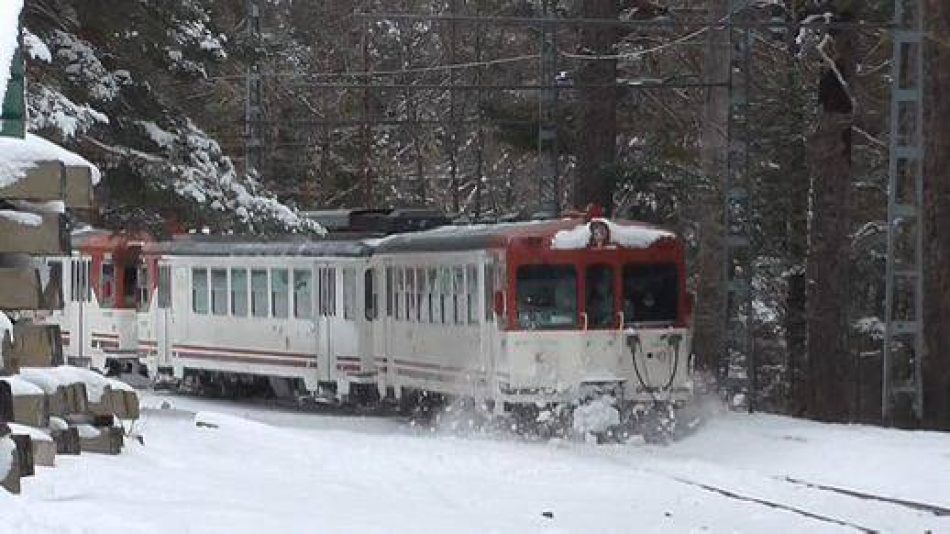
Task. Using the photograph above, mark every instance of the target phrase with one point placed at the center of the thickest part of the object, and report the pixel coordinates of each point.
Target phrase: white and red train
(515, 316)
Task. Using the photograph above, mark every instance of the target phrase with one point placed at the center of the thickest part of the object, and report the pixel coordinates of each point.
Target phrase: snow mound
(21, 217)
(7, 451)
(6, 328)
(20, 387)
(22, 154)
(597, 415)
(625, 236)
(35, 433)
(58, 423)
(50, 379)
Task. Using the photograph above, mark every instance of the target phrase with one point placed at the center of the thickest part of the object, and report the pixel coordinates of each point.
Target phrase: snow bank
(9, 40)
(35, 433)
(20, 387)
(7, 450)
(50, 379)
(6, 327)
(597, 415)
(58, 423)
(22, 154)
(625, 236)
(21, 217)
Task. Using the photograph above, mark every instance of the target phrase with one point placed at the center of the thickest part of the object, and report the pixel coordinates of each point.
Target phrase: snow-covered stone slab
(101, 440)
(37, 345)
(44, 448)
(43, 182)
(24, 451)
(20, 289)
(18, 156)
(32, 233)
(29, 402)
(66, 393)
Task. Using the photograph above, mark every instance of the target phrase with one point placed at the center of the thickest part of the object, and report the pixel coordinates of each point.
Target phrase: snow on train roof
(311, 248)
(564, 234)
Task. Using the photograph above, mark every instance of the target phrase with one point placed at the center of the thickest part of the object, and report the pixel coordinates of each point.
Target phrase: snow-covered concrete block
(37, 345)
(33, 233)
(43, 446)
(44, 182)
(20, 289)
(117, 399)
(29, 402)
(24, 451)
(67, 441)
(104, 440)
(63, 387)
(79, 187)
(6, 402)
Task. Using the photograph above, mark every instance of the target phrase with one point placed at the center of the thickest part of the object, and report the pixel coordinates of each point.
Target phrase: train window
(303, 293)
(445, 294)
(389, 291)
(164, 286)
(349, 293)
(129, 284)
(369, 294)
(433, 294)
(239, 292)
(650, 293)
(471, 292)
(142, 287)
(600, 296)
(410, 294)
(489, 290)
(219, 291)
(422, 288)
(86, 280)
(547, 296)
(397, 295)
(199, 291)
(74, 280)
(107, 284)
(279, 287)
(458, 295)
(259, 304)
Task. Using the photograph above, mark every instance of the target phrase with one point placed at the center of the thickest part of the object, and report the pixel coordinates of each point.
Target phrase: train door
(80, 294)
(163, 312)
(326, 311)
(305, 318)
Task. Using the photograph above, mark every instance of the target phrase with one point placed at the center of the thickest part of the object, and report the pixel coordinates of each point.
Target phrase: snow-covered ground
(271, 470)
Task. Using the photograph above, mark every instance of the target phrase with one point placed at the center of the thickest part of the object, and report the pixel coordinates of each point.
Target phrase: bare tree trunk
(595, 183)
(831, 374)
(709, 341)
(936, 373)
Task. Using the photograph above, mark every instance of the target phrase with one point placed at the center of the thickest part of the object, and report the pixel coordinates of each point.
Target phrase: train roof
(564, 233)
(235, 247)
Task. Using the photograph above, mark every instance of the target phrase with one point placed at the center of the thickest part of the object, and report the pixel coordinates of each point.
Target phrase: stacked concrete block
(43, 446)
(30, 406)
(65, 436)
(36, 345)
(102, 440)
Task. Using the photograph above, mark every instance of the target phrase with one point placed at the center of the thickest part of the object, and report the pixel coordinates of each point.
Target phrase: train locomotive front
(594, 328)
(584, 330)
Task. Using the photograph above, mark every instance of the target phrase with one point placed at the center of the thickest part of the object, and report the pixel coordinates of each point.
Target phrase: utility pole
(902, 362)
(548, 187)
(254, 95)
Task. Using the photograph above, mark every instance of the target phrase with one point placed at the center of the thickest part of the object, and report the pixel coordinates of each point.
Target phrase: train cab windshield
(547, 296)
(650, 293)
